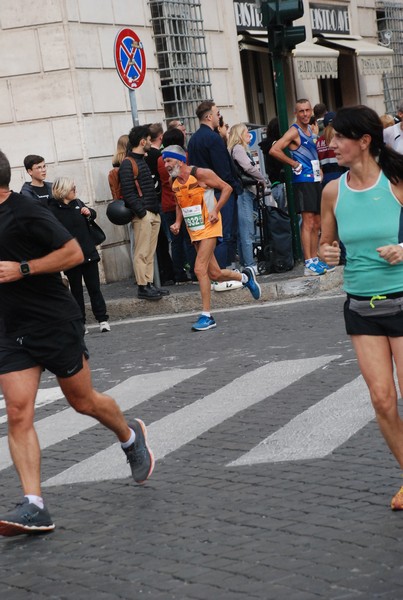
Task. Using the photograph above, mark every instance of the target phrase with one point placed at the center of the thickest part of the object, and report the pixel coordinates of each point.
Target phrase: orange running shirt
(195, 202)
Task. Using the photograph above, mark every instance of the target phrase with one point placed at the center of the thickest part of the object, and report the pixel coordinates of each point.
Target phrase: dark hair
(319, 110)
(355, 121)
(138, 133)
(173, 137)
(31, 160)
(203, 108)
(312, 120)
(5, 171)
(273, 129)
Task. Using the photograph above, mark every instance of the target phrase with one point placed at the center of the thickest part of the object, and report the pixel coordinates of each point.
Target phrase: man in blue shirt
(207, 149)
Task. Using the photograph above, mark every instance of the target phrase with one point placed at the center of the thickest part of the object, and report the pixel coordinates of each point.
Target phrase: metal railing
(182, 58)
(390, 32)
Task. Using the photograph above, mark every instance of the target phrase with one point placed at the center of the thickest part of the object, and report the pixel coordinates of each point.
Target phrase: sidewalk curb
(188, 301)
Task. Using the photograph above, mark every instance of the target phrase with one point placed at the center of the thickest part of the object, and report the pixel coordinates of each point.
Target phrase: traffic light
(277, 16)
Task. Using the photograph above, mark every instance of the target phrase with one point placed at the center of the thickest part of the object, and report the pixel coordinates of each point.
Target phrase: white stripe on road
(128, 394)
(318, 431)
(186, 424)
(43, 398)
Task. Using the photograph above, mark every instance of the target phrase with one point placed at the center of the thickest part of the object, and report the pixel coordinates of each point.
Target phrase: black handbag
(97, 234)
(245, 179)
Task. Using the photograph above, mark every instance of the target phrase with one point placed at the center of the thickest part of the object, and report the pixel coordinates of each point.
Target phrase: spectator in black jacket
(74, 215)
(37, 188)
(143, 202)
(207, 149)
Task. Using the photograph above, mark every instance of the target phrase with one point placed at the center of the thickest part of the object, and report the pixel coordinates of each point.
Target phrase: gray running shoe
(139, 455)
(26, 518)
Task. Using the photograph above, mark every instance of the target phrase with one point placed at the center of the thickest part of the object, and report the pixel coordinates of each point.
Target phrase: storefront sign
(375, 65)
(247, 16)
(315, 67)
(327, 18)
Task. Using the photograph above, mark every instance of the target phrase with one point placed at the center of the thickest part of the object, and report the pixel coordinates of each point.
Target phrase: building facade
(62, 98)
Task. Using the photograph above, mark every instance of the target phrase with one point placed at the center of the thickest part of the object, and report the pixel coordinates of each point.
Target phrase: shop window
(182, 57)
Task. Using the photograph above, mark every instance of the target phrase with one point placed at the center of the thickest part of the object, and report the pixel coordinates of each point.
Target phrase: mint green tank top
(367, 219)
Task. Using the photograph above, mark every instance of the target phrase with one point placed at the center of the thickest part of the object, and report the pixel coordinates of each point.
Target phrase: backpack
(278, 236)
(114, 180)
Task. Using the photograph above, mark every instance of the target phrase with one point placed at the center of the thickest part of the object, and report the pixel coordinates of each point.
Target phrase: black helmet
(118, 213)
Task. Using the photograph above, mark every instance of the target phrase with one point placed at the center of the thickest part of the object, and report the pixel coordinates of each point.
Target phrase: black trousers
(89, 272)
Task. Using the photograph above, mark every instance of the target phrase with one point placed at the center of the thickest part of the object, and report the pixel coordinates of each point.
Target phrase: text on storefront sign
(326, 18)
(247, 16)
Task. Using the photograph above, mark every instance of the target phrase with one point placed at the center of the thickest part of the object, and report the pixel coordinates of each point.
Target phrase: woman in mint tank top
(364, 209)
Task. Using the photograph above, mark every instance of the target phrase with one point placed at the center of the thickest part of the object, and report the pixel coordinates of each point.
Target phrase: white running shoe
(227, 286)
(104, 326)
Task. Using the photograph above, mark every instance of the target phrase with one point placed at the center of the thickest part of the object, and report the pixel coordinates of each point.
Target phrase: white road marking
(43, 398)
(318, 431)
(128, 394)
(178, 428)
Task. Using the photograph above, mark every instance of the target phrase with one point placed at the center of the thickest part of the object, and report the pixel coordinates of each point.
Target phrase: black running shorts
(59, 348)
(307, 197)
(389, 326)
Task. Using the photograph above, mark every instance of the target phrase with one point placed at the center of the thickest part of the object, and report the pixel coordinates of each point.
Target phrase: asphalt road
(272, 481)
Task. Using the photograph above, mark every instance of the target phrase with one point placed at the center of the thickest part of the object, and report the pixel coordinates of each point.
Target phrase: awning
(313, 61)
(372, 59)
(253, 43)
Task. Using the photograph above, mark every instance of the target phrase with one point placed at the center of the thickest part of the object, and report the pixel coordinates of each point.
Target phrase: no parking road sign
(130, 58)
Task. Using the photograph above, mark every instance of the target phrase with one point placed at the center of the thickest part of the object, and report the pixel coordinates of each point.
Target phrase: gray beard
(175, 171)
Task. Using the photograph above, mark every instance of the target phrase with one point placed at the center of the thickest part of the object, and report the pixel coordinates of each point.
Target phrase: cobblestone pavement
(202, 528)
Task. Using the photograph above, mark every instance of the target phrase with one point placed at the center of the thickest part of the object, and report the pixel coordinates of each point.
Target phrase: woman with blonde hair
(238, 147)
(75, 216)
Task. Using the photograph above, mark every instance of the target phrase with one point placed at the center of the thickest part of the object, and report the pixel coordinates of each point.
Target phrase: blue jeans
(246, 228)
(226, 250)
(278, 193)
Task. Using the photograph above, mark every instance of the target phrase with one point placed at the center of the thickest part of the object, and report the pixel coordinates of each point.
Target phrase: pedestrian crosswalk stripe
(43, 397)
(129, 393)
(319, 430)
(179, 428)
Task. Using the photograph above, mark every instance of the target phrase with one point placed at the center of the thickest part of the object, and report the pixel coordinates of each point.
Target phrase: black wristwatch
(24, 268)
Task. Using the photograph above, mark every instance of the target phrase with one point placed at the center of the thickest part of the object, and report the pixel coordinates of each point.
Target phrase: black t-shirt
(28, 231)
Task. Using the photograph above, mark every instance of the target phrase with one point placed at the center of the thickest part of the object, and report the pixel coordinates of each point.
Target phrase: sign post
(130, 62)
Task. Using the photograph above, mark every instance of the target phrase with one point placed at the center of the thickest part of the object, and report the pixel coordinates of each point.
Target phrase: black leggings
(89, 272)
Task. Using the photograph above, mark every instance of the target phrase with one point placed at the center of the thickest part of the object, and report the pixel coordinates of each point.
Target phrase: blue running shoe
(313, 268)
(204, 323)
(252, 284)
(325, 266)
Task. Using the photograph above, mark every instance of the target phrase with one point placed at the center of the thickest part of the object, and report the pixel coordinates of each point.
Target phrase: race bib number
(193, 217)
(316, 170)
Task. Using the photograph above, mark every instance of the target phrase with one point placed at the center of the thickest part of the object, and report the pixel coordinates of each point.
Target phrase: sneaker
(326, 267)
(204, 323)
(139, 455)
(104, 326)
(26, 518)
(252, 284)
(397, 500)
(227, 286)
(313, 269)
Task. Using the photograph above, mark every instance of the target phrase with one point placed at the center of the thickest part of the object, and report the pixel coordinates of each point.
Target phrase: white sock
(130, 441)
(245, 278)
(205, 313)
(37, 500)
